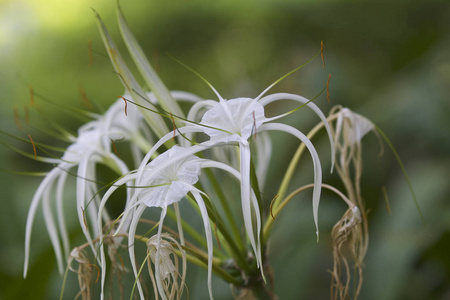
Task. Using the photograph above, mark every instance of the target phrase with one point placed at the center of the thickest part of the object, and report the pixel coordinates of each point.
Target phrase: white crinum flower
(162, 182)
(234, 122)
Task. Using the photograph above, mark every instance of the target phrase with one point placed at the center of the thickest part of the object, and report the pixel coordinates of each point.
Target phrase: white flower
(162, 182)
(234, 122)
(92, 146)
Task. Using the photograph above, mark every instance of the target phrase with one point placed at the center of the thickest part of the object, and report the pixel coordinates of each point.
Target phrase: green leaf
(155, 121)
(148, 73)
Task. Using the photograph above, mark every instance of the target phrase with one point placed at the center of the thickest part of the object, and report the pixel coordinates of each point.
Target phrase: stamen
(85, 97)
(31, 96)
(90, 52)
(34, 146)
(17, 119)
(328, 88)
(321, 53)
(84, 218)
(126, 104)
(271, 206)
(114, 148)
(174, 126)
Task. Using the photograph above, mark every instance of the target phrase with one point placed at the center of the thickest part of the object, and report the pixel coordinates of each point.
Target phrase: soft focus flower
(162, 182)
(92, 146)
(234, 122)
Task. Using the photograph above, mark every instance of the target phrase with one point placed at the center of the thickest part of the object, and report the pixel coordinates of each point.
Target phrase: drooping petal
(208, 234)
(131, 240)
(48, 180)
(60, 212)
(286, 96)
(51, 228)
(245, 195)
(316, 163)
(81, 197)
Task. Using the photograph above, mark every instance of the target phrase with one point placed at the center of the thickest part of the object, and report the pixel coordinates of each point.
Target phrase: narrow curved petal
(316, 163)
(60, 212)
(51, 228)
(286, 96)
(245, 194)
(208, 234)
(48, 180)
(81, 197)
(131, 236)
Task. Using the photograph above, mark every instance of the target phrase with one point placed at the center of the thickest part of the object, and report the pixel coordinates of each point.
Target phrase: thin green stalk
(226, 207)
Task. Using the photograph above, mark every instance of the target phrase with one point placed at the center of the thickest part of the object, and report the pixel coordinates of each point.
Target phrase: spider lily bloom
(93, 145)
(162, 182)
(234, 122)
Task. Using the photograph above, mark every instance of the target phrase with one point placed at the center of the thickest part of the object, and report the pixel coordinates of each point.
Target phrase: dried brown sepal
(347, 232)
(85, 272)
(173, 281)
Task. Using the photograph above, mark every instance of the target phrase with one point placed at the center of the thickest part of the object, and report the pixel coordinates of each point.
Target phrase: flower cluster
(213, 139)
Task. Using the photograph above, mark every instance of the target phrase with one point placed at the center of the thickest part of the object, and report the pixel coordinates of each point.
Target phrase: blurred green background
(389, 61)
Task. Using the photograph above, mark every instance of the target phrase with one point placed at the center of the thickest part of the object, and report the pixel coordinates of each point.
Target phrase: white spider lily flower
(162, 182)
(235, 121)
(92, 146)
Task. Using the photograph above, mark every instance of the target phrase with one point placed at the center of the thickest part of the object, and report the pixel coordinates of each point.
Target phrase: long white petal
(108, 194)
(81, 197)
(131, 235)
(48, 180)
(60, 212)
(208, 234)
(245, 194)
(286, 96)
(316, 163)
(51, 228)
